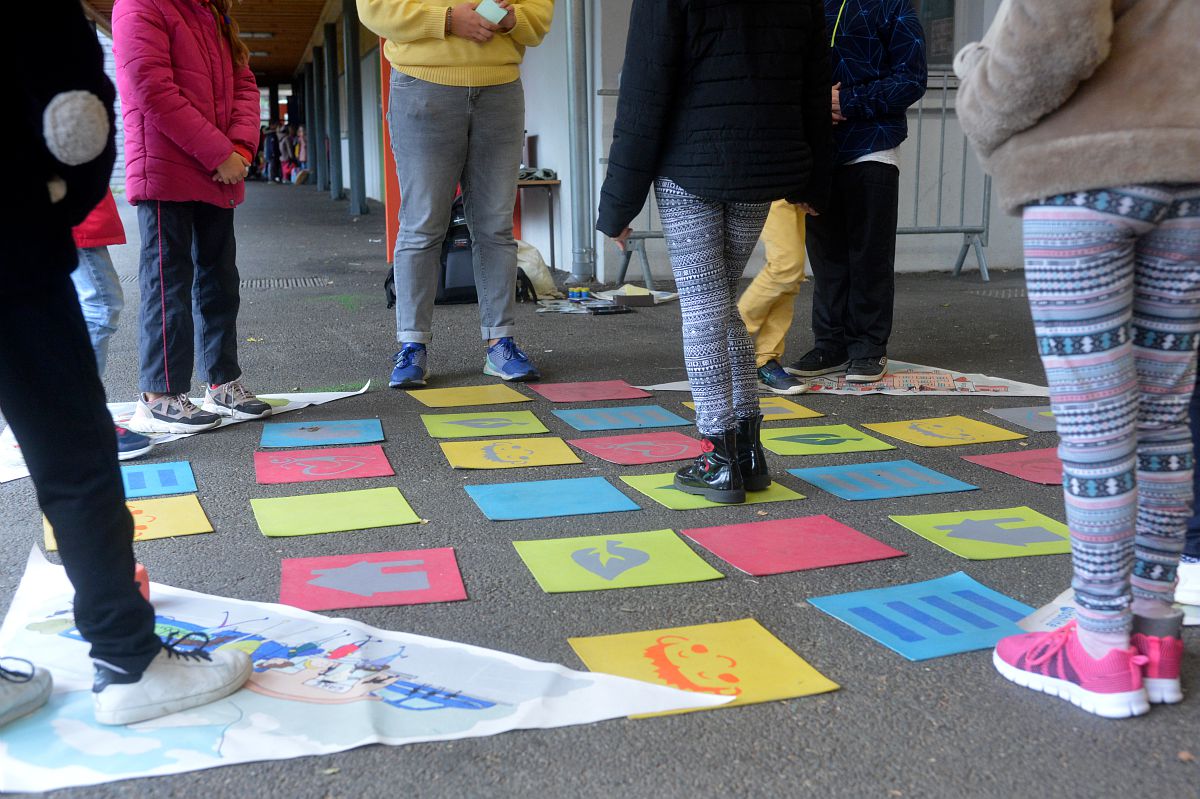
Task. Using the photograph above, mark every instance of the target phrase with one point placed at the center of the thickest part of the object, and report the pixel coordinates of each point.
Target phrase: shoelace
(1051, 644)
(199, 641)
(8, 675)
(240, 393)
(405, 357)
(511, 351)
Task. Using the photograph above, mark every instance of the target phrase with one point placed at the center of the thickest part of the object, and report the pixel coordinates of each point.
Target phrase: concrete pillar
(316, 132)
(273, 103)
(308, 98)
(354, 108)
(333, 113)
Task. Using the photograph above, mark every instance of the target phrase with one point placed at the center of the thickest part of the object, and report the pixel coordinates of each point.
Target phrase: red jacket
(186, 107)
(102, 227)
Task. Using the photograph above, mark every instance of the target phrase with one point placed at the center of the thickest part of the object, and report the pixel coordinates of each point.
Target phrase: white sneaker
(172, 413)
(1187, 590)
(23, 688)
(177, 679)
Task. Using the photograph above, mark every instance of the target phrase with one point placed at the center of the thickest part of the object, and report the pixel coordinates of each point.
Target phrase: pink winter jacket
(185, 106)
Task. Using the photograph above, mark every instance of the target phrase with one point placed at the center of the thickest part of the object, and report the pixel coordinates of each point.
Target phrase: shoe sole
(157, 426)
(533, 377)
(723, 496)
(230, 413)
(1163, 691)
(1122, 705)
(788, 392)
(816, 372)
(25, 708)
(159, 709)
(129, 455)
(407, 384)
(865, 378)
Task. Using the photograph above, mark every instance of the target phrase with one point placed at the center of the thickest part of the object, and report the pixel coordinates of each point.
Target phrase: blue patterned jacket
(879, 58)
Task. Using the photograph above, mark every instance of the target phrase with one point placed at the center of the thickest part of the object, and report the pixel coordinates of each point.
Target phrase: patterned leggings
(709, 244)
(1114, 286)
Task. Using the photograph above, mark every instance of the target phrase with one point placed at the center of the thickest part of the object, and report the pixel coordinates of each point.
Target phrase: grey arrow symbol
(367, 578)
(989, 531)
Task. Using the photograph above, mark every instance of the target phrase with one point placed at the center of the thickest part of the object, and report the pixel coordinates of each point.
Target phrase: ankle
(1098, 644)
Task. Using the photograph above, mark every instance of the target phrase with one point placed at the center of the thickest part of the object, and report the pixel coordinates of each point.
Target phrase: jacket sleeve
(403, 20)
(533, 21)
(653, 55)
(243, 131)
(143, 59)
(1030, 62)
(904, 40)
(818, 124)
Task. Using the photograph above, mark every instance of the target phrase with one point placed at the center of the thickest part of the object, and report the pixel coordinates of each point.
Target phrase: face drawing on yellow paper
(509, 452)
(948, 432)
(683, 663)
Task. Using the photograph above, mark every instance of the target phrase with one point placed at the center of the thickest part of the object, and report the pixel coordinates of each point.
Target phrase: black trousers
(188, 280)
(51, 395)
(852, 249)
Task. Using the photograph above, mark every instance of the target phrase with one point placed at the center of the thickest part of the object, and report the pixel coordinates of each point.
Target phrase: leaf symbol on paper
(818, 439)
(490, 423)
(613, 562)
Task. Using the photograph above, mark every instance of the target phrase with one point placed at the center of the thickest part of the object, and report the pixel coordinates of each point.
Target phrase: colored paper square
(1035, 465)
(315, 434)
(167, 517)
(738, 659)
(778, 409)
(944, 431)
(593, 391)
(311, 465)
(826, 439)
(540, 499)
(335, 512)
(620, 418)
(598, 562)
(661, 488)
(640, 448)
(991, 534)
(467, 395)
(788, 545)
(508, 453)
(880, 480)
(157, 479)
(491, 11)
(931, 619)
(376, 579)
(1038, 418)
(487, 423)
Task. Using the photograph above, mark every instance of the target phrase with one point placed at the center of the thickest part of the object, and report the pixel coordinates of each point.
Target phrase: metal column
(316, 131)
(583, 253)
(354, 109)
(333, 113)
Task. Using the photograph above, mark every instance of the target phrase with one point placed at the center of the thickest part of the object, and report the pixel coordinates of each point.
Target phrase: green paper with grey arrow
(992, 534)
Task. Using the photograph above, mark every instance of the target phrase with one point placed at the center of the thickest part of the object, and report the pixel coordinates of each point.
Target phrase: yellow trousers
(768, 304)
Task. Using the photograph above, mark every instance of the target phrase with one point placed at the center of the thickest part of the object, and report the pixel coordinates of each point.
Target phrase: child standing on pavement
(191, 113)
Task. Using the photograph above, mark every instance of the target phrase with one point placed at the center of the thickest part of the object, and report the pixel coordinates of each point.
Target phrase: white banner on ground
(12, 465)
(909, 379)
(320, 685)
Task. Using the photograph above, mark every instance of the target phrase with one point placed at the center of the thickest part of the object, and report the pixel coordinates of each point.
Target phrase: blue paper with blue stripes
(931, 619)
(157, 479)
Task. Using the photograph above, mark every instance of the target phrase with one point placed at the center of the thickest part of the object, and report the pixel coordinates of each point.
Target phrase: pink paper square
(375, 579)
(326, 463)
(1035, 465)
(589, 392)
(640, 448)
(789, 545)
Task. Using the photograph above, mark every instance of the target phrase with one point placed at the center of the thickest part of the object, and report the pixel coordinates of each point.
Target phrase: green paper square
(983, 536)
(333, 512)
(482, 425)
(598, 562)
(661, 489)
(822, 439)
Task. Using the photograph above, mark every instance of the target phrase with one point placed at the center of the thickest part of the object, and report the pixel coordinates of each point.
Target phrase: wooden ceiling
(293, 25)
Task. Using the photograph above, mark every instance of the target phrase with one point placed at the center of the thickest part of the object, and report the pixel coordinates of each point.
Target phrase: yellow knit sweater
(417, 44)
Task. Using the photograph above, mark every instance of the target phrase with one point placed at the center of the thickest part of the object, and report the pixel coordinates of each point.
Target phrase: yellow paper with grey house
(165, 517)
(509, 453)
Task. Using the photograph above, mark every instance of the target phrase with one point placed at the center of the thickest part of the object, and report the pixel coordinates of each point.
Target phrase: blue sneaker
(131, 445)
(506, 361)
(410, 368)
(774, 378)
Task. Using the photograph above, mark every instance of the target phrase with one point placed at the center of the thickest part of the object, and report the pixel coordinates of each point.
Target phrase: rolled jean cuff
(490, 333)
(413, 337)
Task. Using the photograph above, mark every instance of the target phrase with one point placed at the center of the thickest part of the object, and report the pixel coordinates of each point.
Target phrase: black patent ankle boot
(752, 460)
(715, 474)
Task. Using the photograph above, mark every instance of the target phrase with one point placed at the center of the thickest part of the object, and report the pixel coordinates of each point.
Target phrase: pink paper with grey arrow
(410, 577)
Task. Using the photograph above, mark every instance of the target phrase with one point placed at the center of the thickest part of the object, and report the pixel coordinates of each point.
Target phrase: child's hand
(466, 23)
(510, 21)
(232, 171)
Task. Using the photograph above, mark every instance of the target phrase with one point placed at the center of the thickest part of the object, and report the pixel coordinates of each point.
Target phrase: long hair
(237, 48)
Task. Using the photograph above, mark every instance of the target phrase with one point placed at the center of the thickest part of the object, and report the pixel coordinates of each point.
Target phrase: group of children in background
(282, 155)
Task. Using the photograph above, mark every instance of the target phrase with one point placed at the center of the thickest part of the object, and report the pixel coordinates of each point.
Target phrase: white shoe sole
(221, 410)
(816, 372)
(787, 392)
(530, 378)
(1162, 691)
(132, 715)
(134, 453)
(142, 425)
(1110, 706)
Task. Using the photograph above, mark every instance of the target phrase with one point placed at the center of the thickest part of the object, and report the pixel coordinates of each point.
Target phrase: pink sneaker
(1164, 655)
(1056, 663)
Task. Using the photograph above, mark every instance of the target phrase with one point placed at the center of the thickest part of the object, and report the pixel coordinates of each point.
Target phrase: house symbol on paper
(989, 531)
(367, 578)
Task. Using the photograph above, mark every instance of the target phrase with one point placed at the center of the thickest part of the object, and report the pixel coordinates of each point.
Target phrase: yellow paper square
(508, 453)
(734, 658)
(944, 431)
(467, 395)
(166, 517)
(778, 409)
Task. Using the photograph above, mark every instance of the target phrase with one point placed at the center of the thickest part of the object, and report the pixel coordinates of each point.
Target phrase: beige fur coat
(1068, 95)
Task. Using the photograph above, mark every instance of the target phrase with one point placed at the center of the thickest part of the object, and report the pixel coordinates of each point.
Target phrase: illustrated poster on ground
(320, 685)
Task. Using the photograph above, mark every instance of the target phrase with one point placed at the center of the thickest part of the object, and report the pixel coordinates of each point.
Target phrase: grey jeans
(444, 136)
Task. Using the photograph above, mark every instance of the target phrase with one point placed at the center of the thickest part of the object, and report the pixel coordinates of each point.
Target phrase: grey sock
(1165, 627)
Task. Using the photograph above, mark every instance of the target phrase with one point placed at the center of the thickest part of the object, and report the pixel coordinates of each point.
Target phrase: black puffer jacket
(728, 98)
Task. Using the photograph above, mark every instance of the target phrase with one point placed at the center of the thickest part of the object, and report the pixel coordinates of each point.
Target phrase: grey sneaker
(234, 400)
(23, 688)
(172, 413)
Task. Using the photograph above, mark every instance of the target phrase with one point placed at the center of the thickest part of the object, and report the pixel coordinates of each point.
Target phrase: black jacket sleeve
(818, 110)
(653, 58)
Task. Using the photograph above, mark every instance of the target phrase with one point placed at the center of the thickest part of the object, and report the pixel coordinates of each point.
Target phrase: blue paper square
(158, 479)
(932, 619)
(319, 434)
(880, 480)
(543, 499)
(620, 417)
